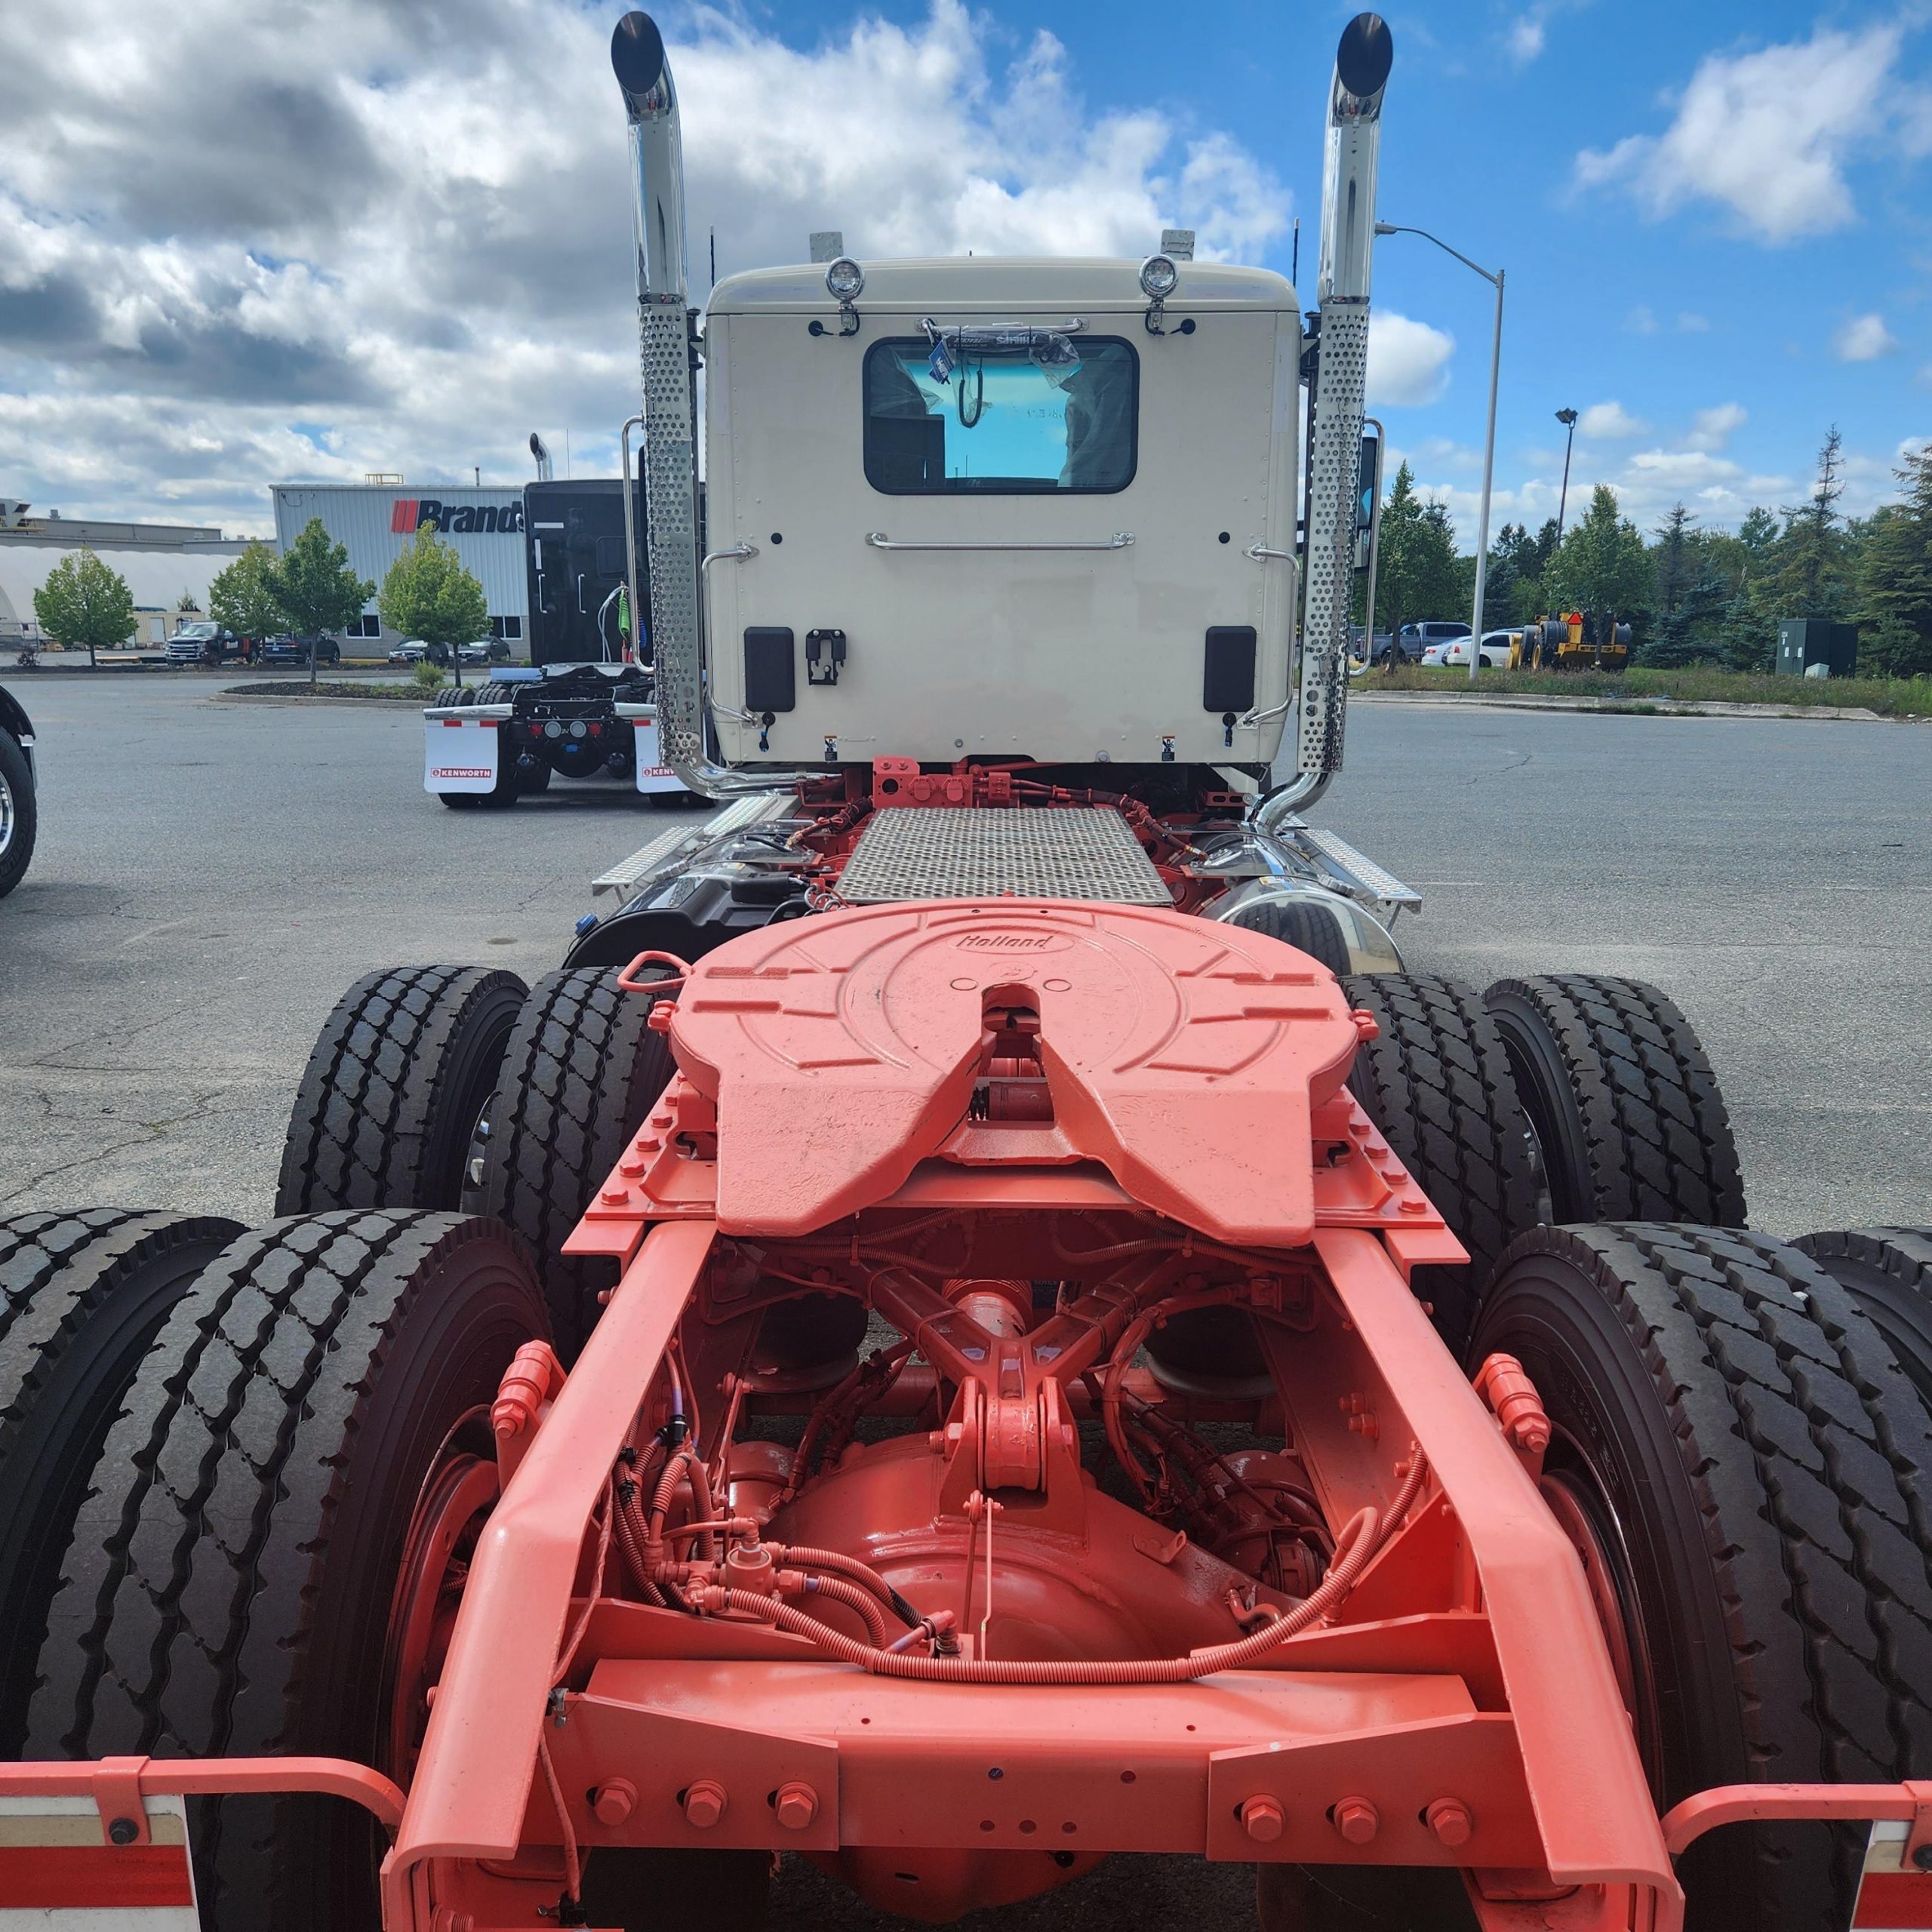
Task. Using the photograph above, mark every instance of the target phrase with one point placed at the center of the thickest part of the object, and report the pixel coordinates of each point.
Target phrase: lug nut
(615, 1801)
(796, 1805)
(704, 1803)
(1449, 1818)
(1262, 1820)
(1357, 1819)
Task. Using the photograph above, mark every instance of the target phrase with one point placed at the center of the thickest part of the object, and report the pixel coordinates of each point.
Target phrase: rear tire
(1737, 1458)
(1302, 923)
(1626, 1107)
(1437, 1084)
(20, 815)
(1888, 1272)
(581, 1072)
(81, 1296)
(229, 1584)
(400, 1073)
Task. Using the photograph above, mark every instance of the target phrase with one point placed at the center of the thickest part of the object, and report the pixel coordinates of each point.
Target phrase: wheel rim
(6, 815)
(457, 1497)
(1580, 1501)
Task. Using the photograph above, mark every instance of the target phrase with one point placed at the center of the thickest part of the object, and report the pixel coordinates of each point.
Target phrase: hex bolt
(1921, 1856)
(1449, 1818)
(1262, 1820)
(615, 1800)
(1357, 1819)
(796, 1805)
(616, 1196)
(704, 1803)
(123, 1831)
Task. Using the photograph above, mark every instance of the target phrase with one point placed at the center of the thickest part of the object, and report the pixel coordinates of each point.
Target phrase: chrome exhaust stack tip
(637, 59)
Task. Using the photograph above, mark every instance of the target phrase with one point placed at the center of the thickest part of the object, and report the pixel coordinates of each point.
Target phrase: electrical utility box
(1805, 641)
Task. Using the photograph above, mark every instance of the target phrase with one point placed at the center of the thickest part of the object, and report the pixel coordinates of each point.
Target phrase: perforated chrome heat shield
(935, 852)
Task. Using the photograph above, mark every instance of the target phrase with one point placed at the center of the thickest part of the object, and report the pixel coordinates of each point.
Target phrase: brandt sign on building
(375, 521)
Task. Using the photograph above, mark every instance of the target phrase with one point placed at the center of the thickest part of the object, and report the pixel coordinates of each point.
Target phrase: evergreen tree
(1417, 574)
(1759, 531)
(1895, 577)
(1810, 575)
(1602, 567)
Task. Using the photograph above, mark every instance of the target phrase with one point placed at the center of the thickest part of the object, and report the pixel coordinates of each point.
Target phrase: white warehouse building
(374, 521)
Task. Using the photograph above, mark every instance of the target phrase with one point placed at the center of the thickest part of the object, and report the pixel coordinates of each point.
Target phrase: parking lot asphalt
(212, 874)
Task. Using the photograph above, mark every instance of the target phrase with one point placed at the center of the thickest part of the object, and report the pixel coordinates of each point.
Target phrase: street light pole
(1489, 442)
(1568, 418)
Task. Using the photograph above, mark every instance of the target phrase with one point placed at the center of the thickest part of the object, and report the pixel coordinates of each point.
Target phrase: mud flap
(1892, 1895)
(460, 754)
(652, 773)
(58, 1867)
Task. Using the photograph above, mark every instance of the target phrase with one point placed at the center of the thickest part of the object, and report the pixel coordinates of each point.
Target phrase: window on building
(364, 627)
(1060, 416)
(509, 629)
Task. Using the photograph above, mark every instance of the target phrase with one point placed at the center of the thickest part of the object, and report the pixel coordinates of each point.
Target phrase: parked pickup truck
(203, 644)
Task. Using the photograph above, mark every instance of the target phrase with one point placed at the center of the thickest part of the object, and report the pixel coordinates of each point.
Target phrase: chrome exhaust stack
(1362, 62)
(669, 457)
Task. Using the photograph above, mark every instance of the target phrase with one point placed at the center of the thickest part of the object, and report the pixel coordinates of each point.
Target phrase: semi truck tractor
(980, 1324)
(583, 709)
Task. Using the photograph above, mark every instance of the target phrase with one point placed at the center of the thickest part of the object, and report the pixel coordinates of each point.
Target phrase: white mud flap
(1893, 1896)
(460, 754)
(653, 775)
(58, 1873)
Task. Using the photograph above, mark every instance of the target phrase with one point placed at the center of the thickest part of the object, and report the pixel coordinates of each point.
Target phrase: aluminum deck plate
(1052, 852)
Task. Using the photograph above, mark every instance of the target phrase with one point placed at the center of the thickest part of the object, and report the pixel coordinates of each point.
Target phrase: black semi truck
(584, 708)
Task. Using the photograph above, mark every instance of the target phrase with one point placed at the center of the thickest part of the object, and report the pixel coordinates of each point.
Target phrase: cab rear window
(1001, 424)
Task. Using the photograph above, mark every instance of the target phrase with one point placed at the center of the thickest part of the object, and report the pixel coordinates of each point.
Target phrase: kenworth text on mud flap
(1007, 1362)
(583, 707)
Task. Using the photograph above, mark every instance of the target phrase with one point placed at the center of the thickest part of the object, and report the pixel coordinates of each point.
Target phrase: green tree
(1810, 574)
(1895, 577)
(1691, 590)
(1602, 566)
(241, 598)
(314, 588)
(187, 603)
(85, 601)
(1759, 531)
(429, 594)
(1417, 573)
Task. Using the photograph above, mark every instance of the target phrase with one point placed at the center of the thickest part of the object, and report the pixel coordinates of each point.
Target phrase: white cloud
(368, 260)
(1408, 361)
(1609, 422)
(1640, 320)
(1766, 134)
(1712, 429)
(1688, 324)
(1863, 339)
(1524, 38)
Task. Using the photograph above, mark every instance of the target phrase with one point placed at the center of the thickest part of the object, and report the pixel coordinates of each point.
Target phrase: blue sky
(1685, 285)
(402, 247)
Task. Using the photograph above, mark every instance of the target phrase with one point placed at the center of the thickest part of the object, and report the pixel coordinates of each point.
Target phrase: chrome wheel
(8, 817)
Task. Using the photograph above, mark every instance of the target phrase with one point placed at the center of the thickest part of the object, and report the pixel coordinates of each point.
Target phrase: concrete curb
(417, 700)
(1632, 707)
